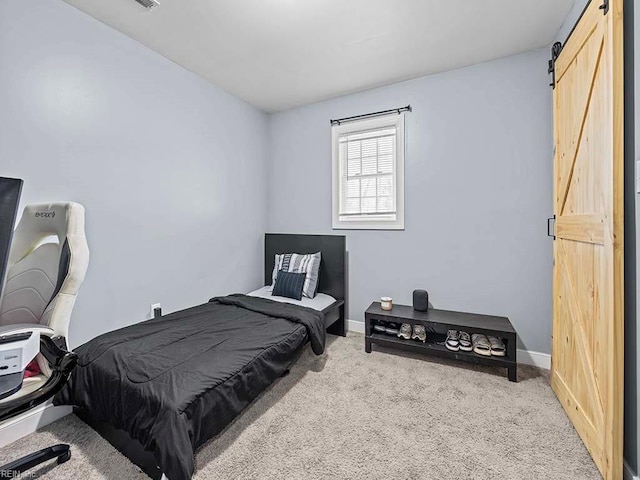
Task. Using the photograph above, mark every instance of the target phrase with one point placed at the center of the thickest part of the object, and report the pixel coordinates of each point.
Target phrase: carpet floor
(352, 415)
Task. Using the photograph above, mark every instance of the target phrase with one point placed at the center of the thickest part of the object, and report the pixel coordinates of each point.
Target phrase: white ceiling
(279, 54)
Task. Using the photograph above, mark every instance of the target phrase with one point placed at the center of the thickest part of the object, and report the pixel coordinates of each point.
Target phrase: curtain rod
(374, 114)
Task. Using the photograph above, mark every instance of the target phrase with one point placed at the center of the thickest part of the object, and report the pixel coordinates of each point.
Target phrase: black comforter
(174, 382)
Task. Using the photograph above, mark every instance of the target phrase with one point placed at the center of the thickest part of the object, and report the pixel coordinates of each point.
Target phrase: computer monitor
(10, 190)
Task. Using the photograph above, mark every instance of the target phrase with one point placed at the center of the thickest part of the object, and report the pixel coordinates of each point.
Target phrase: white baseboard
(355, 326)
(537, 359)
(526, 357)
(28, 422)
(628, 474)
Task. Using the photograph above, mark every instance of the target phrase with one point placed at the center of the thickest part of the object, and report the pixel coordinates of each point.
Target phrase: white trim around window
(368, 174)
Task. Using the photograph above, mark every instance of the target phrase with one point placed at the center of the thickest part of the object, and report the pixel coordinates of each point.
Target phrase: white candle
(386, 303)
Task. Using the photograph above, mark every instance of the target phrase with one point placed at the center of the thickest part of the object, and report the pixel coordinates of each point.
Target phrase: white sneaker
(465, 342)
(453, 340)
(405, 331)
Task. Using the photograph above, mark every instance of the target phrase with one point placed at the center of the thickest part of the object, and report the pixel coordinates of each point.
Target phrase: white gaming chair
(48, 260)
(47, 264)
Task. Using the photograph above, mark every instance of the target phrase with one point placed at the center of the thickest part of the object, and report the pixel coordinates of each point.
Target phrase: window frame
(369, 222)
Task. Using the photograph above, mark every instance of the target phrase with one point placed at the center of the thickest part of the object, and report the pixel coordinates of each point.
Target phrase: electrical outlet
(153, 307)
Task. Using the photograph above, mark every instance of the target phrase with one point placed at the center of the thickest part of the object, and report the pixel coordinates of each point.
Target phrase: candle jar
(386, 303)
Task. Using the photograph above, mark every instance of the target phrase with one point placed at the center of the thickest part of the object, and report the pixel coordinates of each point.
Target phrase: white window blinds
(368, 173)
(367, 169)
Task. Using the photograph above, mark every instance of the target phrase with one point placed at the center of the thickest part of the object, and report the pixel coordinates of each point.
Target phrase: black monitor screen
(10, 189)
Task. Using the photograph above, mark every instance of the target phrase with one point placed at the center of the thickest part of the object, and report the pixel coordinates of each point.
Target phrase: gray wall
(478, 191)
(169, 167)
(571, 20)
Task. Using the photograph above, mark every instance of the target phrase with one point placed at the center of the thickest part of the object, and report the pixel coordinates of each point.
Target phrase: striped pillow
(289, 285)
(297, 263)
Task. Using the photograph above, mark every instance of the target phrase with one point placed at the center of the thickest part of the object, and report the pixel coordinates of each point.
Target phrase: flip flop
(497, 346)
(481, 344)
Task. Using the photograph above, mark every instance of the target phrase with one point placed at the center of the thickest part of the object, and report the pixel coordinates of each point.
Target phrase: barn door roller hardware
(557, 47)
(555, 52)
(605, 7)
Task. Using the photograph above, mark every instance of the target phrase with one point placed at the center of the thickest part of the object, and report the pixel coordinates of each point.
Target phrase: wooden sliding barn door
(587, 349)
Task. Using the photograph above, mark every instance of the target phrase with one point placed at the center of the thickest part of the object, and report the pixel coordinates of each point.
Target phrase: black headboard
(332, 267)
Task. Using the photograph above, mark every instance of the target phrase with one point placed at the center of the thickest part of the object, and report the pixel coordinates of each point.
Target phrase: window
(368, 174)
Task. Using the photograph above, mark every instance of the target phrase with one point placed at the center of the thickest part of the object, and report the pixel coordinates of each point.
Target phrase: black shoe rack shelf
(437, 323)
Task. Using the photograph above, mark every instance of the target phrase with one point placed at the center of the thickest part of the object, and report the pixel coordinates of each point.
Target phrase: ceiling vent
(148, 4)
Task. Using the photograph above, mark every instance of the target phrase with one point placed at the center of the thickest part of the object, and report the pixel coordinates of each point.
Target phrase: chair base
(17, 467)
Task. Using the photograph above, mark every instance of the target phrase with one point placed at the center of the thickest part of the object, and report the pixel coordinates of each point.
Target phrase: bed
(160, 389)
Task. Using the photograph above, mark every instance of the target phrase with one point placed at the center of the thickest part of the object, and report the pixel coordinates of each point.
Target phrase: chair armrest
(26, 327)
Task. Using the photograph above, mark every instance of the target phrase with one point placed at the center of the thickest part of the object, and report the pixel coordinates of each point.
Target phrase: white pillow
(299, 263)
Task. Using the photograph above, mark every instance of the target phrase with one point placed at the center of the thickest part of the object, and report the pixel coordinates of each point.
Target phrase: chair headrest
(63, 220)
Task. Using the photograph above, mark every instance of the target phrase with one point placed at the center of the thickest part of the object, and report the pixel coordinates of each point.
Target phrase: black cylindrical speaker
(420, 300)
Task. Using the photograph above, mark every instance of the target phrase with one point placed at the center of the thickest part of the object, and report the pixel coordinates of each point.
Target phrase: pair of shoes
(388, 328)
(458, 341)
(379, 328)
(488, 346)
(419, 332)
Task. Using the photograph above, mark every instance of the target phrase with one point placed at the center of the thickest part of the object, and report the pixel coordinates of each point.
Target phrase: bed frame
(332, 282)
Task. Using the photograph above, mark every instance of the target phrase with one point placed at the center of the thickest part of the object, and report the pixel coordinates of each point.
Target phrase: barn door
(587, 347)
